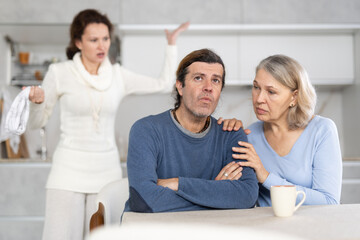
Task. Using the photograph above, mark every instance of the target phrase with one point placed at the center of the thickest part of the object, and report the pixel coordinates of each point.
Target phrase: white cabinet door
(226, 46)
(145, 53)
(329, 59)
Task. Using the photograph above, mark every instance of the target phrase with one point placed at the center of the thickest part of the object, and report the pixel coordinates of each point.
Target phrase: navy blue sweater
(160, 148)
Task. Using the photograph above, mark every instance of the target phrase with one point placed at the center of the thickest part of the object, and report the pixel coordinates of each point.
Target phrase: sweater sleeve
(40, 113)
(140, 84)
(145, 194)
(223, 194)
(326, 171)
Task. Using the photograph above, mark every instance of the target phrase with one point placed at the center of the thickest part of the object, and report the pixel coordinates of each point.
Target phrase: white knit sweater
(86, 157)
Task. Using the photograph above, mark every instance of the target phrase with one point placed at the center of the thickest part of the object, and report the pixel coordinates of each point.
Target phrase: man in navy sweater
(181, 160)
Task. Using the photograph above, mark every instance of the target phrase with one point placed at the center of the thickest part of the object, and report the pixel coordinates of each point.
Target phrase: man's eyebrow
(198, 73)
(217, 75)
(203, 74)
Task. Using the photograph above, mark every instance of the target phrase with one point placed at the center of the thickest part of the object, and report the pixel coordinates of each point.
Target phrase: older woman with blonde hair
(290, 145)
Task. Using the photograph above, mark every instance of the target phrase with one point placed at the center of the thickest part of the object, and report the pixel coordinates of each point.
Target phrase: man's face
(202, 89)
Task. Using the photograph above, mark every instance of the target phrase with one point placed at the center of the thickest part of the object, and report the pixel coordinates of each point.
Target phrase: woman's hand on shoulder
(172, 36)
(232, 171)
(232, 125)
(36, 95)
(247, 152)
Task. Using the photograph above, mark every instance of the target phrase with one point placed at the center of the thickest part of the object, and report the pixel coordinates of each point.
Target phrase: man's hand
(232, 125)
(232, 171)
(172, 183)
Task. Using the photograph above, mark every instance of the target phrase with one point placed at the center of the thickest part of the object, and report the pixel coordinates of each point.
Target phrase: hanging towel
(18, 114)
(8, 95)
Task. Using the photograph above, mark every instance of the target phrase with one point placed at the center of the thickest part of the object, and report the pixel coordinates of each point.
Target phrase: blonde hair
(291, 74)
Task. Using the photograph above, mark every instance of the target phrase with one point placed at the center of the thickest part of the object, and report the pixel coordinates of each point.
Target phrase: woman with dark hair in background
(89, 90)
(290, 145)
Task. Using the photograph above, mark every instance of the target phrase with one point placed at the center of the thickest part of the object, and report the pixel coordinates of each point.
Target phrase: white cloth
(18, 114)
(86, 157)
(8, 94)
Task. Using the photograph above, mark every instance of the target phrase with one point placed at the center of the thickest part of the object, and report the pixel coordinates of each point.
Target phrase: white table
(309, 222)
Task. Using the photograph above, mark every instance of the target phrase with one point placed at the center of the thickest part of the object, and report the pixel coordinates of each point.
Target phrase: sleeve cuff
(181, 184)
(36, 107)
(270, 181)
(171, 48)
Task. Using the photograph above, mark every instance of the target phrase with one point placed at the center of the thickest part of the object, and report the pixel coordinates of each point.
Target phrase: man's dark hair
(202, 55)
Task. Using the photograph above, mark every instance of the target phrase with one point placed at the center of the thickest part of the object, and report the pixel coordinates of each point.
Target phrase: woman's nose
(260, 98)
(101, 44)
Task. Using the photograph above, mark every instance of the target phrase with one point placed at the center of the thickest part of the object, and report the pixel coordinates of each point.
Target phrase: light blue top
(314, 163)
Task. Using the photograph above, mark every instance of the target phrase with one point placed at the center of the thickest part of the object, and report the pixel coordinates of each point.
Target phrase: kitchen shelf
(21, 82)
(32, 65)
(242, 28)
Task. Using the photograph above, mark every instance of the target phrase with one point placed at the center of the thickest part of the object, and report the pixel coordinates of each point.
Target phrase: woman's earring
(292, 105)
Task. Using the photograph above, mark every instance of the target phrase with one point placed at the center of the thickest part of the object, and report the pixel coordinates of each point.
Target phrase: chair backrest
(114, 196)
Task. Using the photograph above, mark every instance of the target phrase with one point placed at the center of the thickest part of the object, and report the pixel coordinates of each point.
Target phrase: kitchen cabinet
(22, 200)
(45, 44)
(27, 74)
(350, 192)
(326, 51)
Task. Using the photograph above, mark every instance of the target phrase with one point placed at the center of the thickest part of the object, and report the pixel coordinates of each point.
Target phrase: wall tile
(174, 11)
(23, 189)
(304, 11)
(52, 11)
(21, 230)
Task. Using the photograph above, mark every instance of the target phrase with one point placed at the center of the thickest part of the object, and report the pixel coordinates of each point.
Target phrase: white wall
(235, 102)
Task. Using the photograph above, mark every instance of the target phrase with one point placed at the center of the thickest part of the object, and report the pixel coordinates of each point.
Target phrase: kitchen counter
(24, 160)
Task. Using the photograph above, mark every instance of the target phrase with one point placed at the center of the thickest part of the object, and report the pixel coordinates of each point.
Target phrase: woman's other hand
(232, 125)
(253, 160)
(172, 36)
(36, 95)
(232, 171)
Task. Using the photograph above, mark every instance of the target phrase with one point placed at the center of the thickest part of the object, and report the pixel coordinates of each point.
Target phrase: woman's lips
(260, 111)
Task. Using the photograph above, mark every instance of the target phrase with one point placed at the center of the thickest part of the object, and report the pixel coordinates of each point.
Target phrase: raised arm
(141, 84)
(172, 36)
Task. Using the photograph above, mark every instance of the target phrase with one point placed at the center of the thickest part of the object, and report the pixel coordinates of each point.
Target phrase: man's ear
(179, 87)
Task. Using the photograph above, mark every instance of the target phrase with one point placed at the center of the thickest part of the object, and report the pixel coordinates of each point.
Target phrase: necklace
(207, 123)
(96, 105)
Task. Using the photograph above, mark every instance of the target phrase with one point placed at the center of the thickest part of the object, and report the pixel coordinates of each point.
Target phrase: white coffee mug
(283, 199)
